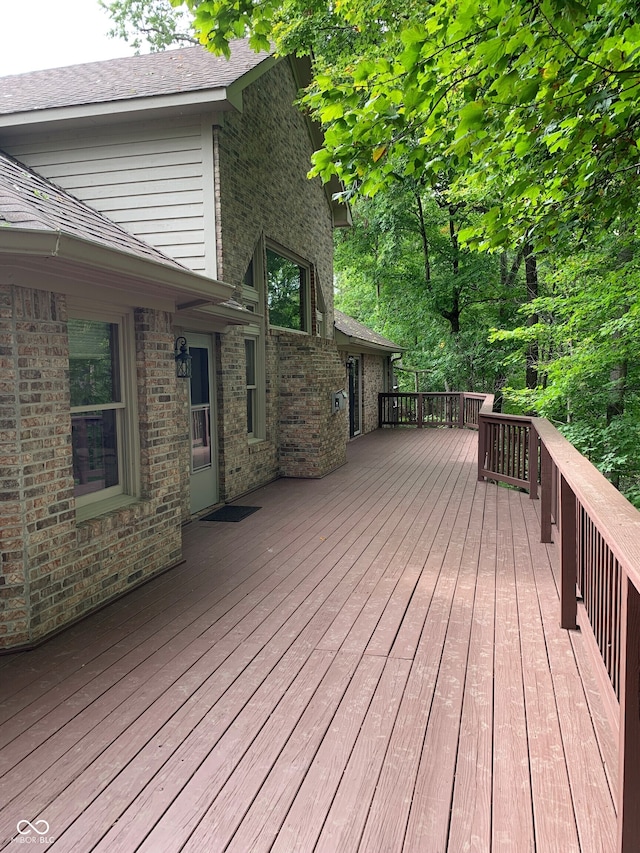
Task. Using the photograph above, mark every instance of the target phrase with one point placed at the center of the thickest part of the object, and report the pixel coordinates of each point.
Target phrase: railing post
(568, 557)
(629, 735)
(533, 462)
(419, 413)
(546, 474)
(461, 411)
(379, 411)
(482, 445)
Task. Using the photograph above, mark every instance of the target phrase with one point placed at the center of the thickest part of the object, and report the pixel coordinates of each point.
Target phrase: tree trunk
(453, 314)
(531, 274)
(615, 405)
(508, 274)
(425, 241)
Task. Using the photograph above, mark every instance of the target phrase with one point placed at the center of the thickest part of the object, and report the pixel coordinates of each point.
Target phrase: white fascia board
(179, 283)
(234, 90)
(216, 98)
(217, 318)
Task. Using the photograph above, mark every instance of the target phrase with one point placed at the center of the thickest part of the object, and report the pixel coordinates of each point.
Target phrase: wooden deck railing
(443, 409)
(599, 539)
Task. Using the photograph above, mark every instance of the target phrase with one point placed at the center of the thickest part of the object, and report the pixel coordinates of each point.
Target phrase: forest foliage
(490, 150)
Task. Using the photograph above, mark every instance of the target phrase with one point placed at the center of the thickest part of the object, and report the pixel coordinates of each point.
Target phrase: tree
(400, 270)
(154, 22)
(533, 103)
(586, 332)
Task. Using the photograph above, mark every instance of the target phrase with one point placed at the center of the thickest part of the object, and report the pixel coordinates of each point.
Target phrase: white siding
(150, 177)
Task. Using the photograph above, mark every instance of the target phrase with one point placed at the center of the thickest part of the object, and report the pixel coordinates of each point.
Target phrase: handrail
(599, 532)
(439, 408)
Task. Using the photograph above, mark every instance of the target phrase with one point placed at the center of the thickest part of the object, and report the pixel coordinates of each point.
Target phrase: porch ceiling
(371, 662)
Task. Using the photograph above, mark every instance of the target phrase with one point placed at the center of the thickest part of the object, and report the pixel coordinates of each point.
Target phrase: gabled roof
(350, 333)
(190, 69)
(186, 80)
(42, 223)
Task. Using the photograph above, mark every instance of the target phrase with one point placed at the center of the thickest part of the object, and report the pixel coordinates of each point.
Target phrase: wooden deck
(371, 662)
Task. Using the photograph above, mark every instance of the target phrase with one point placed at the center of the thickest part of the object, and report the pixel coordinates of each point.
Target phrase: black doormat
(230, 513)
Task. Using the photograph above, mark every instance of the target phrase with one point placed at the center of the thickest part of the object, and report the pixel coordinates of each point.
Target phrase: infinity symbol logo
(24, 827)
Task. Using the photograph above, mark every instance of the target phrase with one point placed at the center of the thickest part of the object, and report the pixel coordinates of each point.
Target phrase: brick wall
(262, 158)
(37, 485)
(244, 465)
(54, 569)
(373, 371)
(312, 439)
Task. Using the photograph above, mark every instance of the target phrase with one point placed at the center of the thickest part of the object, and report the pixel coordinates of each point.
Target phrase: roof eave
(233, 92)
(217, 98)
(346, 342)
(182, 284)
(340, 210)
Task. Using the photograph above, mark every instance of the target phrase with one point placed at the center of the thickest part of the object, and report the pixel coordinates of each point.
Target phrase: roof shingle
(355, 329)
(173, 71)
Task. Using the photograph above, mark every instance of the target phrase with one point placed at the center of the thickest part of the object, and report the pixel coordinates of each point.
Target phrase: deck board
(471, 808)
(553, 810)
(512, 812)
(372, 662)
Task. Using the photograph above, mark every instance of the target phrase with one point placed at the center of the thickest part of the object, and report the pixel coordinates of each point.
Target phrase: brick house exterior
(144, 201)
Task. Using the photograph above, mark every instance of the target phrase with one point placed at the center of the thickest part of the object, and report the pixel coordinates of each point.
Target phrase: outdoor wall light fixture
(183, 358)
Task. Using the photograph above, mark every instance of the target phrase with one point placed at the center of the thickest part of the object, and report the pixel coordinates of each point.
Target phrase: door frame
(204, 483)
(354, 382)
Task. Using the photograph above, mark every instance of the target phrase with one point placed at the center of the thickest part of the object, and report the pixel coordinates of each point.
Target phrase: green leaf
(472, 116)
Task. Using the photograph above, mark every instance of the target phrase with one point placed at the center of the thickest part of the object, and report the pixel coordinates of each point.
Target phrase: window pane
(95, 451)
(200, 439)
(199, 376)
(250, 409)
(286, 292)
(248, 276)
(94, 371)
(250, 352)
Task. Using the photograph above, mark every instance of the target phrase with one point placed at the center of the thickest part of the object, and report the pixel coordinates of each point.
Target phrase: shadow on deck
(371, 662)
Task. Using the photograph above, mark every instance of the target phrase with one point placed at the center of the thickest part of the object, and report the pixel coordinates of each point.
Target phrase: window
(250, 352)
(287, 292)
(98, 410)
(253, 282)
(253, 298)
(255, 383)
(321, 310)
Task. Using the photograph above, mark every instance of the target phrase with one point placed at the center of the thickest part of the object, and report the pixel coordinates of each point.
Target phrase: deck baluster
(629, 768)
(546, 489)
(568, 555)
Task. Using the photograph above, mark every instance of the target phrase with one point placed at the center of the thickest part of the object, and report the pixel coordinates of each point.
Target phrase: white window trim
(96, 503)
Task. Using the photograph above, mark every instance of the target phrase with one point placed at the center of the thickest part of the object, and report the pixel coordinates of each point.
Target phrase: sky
(37, 34)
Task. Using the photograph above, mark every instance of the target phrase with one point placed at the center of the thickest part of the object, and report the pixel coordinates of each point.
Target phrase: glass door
(355, 395)
(204, 473)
